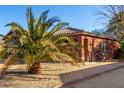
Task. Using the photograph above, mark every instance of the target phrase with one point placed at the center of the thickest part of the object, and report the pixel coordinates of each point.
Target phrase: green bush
(122, 49)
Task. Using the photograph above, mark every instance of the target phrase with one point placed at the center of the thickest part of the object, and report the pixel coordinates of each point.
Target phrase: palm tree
(38, 43)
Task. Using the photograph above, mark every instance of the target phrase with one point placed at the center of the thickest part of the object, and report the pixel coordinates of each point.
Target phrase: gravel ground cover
(49, 78)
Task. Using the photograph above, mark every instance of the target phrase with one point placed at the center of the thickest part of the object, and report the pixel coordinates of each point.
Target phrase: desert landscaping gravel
(17, 78)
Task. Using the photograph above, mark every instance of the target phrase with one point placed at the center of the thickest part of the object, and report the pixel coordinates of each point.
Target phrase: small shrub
(117, 54)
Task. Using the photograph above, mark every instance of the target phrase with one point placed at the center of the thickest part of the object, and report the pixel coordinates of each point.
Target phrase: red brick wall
(92, 51)
(79, 49)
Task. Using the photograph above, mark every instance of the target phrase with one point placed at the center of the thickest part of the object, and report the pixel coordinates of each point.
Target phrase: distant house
(92, 47)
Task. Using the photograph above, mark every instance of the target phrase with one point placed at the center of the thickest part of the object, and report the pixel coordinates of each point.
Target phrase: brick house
(93, 47)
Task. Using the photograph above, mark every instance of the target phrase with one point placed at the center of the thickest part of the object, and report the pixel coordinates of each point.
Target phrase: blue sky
(82, 17)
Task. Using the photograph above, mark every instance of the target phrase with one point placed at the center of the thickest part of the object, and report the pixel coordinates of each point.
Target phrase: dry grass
(16, 76)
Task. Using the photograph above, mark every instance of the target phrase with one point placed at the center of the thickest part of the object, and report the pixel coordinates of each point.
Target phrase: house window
(104, 47)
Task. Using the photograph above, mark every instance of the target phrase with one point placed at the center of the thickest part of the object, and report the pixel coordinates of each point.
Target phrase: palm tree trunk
(35, 68)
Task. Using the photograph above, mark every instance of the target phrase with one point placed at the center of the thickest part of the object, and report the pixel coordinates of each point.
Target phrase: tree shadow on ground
(22, 75)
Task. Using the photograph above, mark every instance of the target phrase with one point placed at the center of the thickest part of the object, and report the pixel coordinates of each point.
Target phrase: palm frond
(50, 22)
(44, 15)
(30, 20)
(1, 35)
(17, 27)
(56, 28)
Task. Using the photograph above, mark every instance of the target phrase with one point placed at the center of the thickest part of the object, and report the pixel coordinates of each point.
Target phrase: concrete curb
(68, 84)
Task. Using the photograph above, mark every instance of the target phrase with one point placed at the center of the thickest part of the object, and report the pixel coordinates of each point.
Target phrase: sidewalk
(76, 76)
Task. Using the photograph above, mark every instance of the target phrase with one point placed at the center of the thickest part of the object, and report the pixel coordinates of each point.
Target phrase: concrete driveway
(113, 79)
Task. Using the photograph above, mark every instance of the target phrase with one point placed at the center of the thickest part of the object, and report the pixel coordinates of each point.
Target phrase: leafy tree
(115, 20)
(100, 32)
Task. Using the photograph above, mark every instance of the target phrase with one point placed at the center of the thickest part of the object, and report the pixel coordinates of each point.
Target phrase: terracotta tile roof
(75, 31)
(68, 30)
